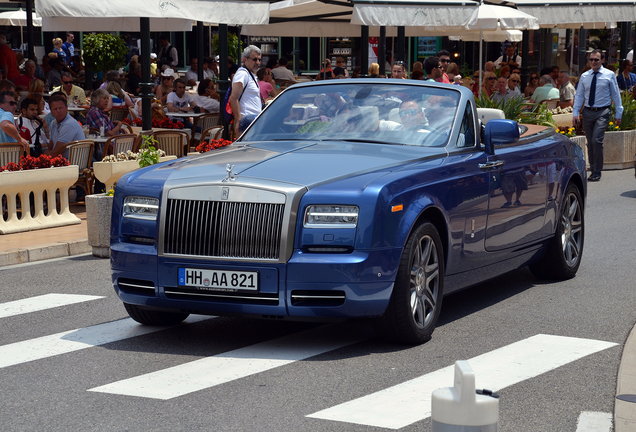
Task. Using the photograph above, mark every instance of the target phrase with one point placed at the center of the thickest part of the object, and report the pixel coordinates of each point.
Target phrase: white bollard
(461, 408)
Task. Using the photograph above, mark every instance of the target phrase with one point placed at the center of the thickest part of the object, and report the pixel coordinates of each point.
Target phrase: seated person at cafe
(192, 75)
(134, 80)
(281, 72)
(64, 128)
(96, 117)
(54, 76)
(71, 90)
(545, 90)
(32, 128)
(166, 86)
(180, 101)
(207, 98)
(22, 82)
(36, 87)
(118, 97)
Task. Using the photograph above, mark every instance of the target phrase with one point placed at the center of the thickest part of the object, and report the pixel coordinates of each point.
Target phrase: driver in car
(412, 116)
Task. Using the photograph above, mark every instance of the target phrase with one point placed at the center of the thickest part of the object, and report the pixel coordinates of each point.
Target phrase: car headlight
(141, 207)
(331, 216)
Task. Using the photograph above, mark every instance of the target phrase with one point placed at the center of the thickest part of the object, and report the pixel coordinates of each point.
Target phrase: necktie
(593, 90)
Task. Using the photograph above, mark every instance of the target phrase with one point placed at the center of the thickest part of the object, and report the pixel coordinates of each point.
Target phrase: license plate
(218, 280)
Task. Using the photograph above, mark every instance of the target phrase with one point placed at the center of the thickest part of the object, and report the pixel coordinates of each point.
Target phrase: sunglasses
(514, 80)
(534, 77)
(67, 82)
(595, 59)
(476, 77)
(12, 103)
(398, 63)
(167, 78)
(491, 78)
(254, 59)
(445, 60)
(409, 113)
(439, 67)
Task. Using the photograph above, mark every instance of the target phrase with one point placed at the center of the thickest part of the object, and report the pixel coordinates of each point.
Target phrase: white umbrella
(18, 18)
(490, 36)
(492, 17)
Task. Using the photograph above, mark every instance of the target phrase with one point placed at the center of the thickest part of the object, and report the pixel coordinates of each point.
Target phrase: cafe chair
(206, 122)
(209, 134)
(121, 144)
(550, 103)
(174, 143)
(80, 153)
(10, 152)
(118, 114)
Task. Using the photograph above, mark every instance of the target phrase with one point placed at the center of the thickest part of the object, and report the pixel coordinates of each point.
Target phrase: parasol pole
(481, 47)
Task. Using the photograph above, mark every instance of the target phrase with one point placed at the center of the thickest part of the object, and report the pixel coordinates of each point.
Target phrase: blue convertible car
(349, 199)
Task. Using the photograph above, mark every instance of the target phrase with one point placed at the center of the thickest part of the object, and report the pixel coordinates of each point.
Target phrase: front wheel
(153, 317)
(417, 294)
(563, 256)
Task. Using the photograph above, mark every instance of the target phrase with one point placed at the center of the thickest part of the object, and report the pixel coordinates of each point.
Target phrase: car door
(518, 195)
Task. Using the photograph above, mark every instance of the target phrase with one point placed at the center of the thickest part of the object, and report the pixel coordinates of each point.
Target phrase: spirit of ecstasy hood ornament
(230, 177)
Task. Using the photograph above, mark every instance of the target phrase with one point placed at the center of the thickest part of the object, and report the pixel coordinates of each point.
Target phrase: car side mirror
(500, 132)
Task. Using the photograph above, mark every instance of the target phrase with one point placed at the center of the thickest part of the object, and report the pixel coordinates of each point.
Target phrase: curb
(44, 252)
(624, 411)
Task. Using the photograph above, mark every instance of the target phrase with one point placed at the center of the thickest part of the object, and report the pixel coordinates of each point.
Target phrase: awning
(114, 24)
(574, 14)
(432, 15)
(211, 11)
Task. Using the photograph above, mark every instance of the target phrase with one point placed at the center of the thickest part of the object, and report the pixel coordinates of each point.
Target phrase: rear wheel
(563, 257)
(417, 295)
(153, 317)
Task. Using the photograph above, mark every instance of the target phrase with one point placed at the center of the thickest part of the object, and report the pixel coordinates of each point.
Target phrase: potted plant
(104, 52)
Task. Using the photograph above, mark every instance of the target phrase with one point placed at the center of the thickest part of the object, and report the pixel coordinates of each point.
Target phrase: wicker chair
(10, 152)
(550, 103)
(206, 122)
(118, 114)
(80, 153)
(174, 143)
(121, 144)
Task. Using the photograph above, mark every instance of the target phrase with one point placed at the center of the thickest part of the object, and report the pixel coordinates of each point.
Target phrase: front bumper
(309, 285)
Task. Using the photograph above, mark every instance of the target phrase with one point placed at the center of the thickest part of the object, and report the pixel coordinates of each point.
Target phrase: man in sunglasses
(595, 93)
(70, 89)
(433, 68)
(8, 131)
(245, 99)
(444, 58)
(412, 116)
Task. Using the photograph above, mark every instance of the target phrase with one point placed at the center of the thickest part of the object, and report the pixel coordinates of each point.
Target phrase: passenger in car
(412, 116)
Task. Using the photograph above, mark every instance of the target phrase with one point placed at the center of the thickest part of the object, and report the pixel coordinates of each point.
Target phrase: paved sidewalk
(72, 240)
(46, 243)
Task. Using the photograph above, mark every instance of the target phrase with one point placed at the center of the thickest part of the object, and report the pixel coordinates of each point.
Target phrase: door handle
(490, 166)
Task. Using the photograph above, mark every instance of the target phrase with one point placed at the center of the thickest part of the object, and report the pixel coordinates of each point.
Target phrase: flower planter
(618, 149)
(98, 212)
(109, 172)
(37, 181)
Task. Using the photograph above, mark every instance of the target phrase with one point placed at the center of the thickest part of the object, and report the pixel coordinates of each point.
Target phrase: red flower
(212, 145)
(30, 162)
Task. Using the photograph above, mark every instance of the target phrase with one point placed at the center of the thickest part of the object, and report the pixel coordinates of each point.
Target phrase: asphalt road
(56, 382)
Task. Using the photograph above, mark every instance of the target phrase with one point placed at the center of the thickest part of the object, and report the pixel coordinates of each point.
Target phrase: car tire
(563, 255)
(153, 317)
(416, 300)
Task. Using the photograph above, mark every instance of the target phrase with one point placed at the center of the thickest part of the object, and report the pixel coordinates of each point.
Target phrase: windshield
(355, 111)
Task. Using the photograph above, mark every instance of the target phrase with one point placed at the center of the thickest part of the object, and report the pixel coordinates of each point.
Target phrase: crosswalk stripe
(47, 301)
(74, 340)
(404, 404)
(590, 421)
(211, 371)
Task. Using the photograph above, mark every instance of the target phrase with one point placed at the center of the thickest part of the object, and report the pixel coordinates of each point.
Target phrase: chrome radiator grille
(223, 229)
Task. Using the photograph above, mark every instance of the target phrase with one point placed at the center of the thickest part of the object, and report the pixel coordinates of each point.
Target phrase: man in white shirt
(281, 72)
(180, 101)
(509, 59)
(192, 75)
(596, 91)
(31, 126)
(245, 99)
